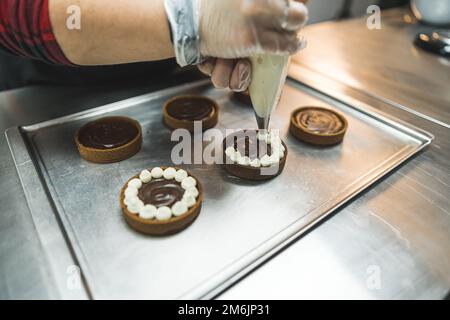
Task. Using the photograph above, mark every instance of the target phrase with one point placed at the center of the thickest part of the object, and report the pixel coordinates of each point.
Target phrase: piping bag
(269, 76)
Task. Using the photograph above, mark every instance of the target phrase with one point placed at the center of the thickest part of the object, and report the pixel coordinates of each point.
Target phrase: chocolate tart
(249, 172)
(183, 111)
(109, 139)
(150, 194)
(318, 126)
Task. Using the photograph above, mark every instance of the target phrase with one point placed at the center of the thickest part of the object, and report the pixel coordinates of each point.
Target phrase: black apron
(17, 72)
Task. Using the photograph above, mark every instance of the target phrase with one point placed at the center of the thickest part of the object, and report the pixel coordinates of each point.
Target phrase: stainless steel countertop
(383, 62)
(399, 230)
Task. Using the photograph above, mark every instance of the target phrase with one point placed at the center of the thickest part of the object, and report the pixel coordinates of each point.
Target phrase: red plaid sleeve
(25, 30)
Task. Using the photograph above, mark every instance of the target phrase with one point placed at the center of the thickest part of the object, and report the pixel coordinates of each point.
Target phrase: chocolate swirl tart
(318, 126)
(253, 155)
(109, 139)
(161, 201)
(182, 112)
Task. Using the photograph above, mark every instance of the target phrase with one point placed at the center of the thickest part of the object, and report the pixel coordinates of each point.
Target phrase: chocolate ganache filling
(248, 144)
(320, 121)
(161, 192)
(107, 133)
(190, 108)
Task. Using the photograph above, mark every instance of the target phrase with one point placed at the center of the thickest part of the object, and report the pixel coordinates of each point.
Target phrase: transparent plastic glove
(235, 74)
(232, 29)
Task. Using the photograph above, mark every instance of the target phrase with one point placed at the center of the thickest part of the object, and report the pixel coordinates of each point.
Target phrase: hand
(258, 26)
(240, 28)
(228, 73)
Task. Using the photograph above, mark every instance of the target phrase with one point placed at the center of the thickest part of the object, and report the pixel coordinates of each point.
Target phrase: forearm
(113, 32)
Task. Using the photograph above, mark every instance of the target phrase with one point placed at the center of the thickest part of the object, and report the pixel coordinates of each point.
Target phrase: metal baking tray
(241, 223)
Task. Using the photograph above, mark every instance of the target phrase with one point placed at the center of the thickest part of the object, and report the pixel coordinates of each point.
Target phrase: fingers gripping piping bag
(269, 76)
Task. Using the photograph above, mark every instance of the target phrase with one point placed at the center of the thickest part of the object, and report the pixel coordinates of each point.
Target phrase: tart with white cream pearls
(161, 200)
(254, 155)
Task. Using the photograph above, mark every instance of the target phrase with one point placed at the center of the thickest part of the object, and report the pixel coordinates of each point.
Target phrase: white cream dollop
(255, 163)
(265, 161)
(244, 161)
(157, 172)
(188, 183)
(192, 192)
(230, 151)
(169, 173)
(135, 206)
(179, 208)
(135, 183)
(163, 213)
(148, 212)
(180, 175)
(145, 176)
(130, 192)
(190, 201)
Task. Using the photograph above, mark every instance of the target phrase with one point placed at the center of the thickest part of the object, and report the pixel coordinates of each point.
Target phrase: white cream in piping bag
(269, 76)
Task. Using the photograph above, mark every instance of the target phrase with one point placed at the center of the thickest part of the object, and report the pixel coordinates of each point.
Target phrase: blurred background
(323, 10)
